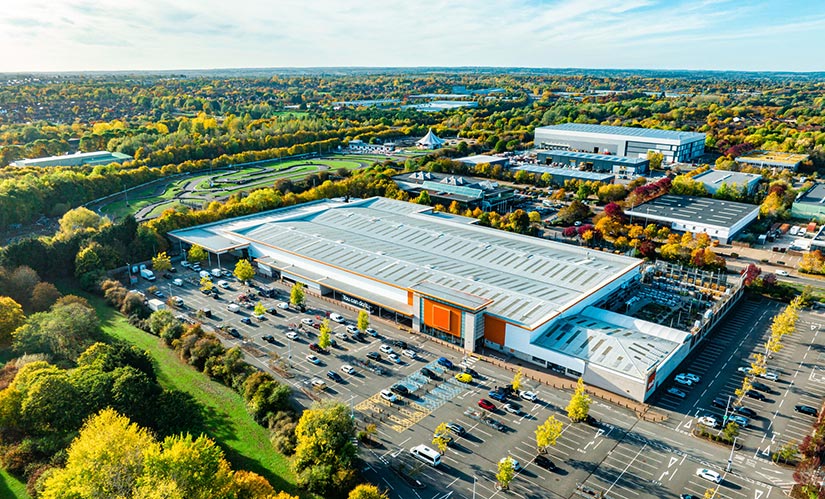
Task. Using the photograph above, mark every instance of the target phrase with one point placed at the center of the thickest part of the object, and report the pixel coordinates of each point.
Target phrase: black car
(755, 395)
(806, 409)
(720, 402)
(173, 270)
(374, 356)
(544, 462)
(762, 387)
(246, 320)
(400, 389)
(334, 376)
(471, 372)
(167, 275)
(456, 428)
(428, 373)
(746, 411)
(268, 338)
(493, 423)
(234, 332)
(272, 310)
(400, 344)
(689, 496)
(359, 336)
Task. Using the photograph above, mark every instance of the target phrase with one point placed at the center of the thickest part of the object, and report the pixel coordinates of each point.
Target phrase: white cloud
(158, 34)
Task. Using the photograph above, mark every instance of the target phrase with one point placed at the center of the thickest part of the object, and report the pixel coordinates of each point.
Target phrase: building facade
(79, 159)
(675, 146)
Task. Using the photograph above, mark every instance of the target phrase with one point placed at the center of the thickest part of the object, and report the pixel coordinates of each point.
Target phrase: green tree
(579, 405)
(244, 270)
(196, 467)
(424, 198)
(367, 491)
(517, 378)
(655, 158)
(441, 437)
(323, 334)
(325, 455)
(63, 332)
(506, 472)
(196, 254)
(548, 433)
(260, 309)
(161, 262)
(574, 212)
(11, 317)
(78, 220)
(296, 295)
(730, 431)
(363, 320)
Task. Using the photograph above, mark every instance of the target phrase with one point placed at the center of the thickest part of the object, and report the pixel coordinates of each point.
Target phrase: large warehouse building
(675, 146)
(446, 276)
(79, 159)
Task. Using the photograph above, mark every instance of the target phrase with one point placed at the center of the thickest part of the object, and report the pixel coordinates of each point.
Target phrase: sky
(108, 35)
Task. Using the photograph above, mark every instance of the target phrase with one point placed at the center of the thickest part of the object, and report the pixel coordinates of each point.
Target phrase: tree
(363, 320)
(548, 433)
(579, 405)
(441, 437)
(574, 212)
(424, 198)
(161, 262)
(730, 431)
(506, 472)
(244, 270)
(741, 391)
(11, 318)
(750, 274)
(196, 466)
(325, 455)
(655, 158)
(296, 295)
(206, 284)
(260, 309)
(78, 220)
(63, 332)
(323, 335)
(517, 380)
(196, 254)
(44, 295)
(367, 491)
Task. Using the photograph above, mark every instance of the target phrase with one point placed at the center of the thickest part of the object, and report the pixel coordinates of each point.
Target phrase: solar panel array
(527, 279)
(460, 190)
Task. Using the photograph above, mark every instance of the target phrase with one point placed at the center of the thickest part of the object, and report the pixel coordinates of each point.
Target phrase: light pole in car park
(730, 459)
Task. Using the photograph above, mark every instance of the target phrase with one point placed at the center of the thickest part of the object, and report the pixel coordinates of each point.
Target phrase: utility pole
(730, 459)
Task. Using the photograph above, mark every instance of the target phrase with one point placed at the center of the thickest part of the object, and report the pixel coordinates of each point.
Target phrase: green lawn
(11, 487)
(245, 442)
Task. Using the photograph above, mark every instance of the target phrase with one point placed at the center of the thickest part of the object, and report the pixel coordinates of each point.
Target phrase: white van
(216, 272)
(233, 307)
(427, 455)
(205, 274)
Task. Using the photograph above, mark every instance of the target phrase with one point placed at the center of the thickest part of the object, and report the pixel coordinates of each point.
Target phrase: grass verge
(11, 487)
(245, 442)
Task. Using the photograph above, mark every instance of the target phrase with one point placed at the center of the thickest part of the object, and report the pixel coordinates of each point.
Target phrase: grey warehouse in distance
(632, 142)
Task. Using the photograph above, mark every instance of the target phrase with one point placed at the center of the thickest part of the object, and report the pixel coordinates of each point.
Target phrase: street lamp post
(730, 459)
(474, 487)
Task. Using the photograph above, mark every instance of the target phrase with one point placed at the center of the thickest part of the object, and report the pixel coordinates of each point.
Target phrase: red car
(486, 404)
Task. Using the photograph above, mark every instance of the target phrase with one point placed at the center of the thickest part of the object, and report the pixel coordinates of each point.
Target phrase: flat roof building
(714, 179)
(479, 159)
(772, 159)
(720, 220)
(810, 204)
(605, 163)
(468, 192)
(675, 146)
(79, 159)
(559, 175)
(446, 276)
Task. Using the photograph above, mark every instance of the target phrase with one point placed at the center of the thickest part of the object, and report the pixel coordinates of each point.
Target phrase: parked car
(400, 389)
(408, 353)
(388, 395)
(516, 464)
(464, 377)
(374, 355)
(762, 387)
(292, 335)
(307, 321)
(755, 395)
(246, 320)
(709, 475)
(315, 360)
(471, 372)
(177, 282)
(527, 395)
(445, 362)
(806, 409)
(337, 318)
(676, 392)
(720, 402)
(745, 369)
(315, 347)
(770, 375)
(742, 421)
(234, 333)
(400, 344)
(352, 329)
(513, 408)
(268, 338)
(318, 383)
(745, 411)
(544, 462)
(394, 357)
(372, 332)
(348, 369)
(494, 423)
(341, 336)
(428, 373)
(456, 428)
(683, 380)
(386, 348)
(709, 421)
(334, 376)
(283, 305)
(486, 404)
(693, 377)
(497, 395)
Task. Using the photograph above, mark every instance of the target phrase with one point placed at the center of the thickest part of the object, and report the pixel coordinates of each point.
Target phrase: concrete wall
(615, 382)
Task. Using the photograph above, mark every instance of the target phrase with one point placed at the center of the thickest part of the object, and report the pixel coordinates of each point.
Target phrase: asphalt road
(620, 456)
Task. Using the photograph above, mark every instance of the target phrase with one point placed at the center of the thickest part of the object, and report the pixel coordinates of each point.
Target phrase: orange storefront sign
(442, 317)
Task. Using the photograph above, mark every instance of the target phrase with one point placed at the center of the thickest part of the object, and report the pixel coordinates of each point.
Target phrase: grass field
(11, 487)
(245, 442)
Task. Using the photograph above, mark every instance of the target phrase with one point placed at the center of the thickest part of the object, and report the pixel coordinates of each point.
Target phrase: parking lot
(618, 455)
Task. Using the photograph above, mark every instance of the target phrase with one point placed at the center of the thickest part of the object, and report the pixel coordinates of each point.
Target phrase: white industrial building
(714, 179)
(446, 276)
(79, 159)
(719, 219)
(674, 145)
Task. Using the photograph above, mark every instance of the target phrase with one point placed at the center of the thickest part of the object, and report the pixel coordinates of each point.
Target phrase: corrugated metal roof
(398, 243)
(705, 211)
(627, 131)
